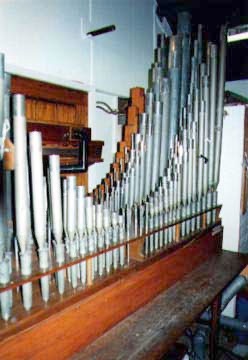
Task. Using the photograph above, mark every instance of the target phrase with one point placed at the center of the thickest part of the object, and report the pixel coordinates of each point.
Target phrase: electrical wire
(107, 108)
(114, 112)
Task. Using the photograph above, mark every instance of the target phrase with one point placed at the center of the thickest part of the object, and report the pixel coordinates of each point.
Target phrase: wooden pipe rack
(80, 315)
(136, 251)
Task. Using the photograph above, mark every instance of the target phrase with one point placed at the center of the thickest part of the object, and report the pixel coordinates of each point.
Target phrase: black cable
(105, 104)
(101, 105)
(114, 112)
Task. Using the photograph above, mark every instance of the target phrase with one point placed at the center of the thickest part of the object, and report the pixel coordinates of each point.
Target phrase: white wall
(46, 37)
(123, 57)
(105, 128)
(239, 87)
(229, 188)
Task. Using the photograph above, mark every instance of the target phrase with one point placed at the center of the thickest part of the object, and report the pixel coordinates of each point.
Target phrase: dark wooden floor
(151, 331)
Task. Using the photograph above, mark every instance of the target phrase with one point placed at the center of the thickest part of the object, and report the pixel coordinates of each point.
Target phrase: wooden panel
(45, 112)
(52, 95)
(66, 114)
(49, 92)
(81, 115)
(81, 323)
(51, 134)
(30, 109)
(138, 98)
(95, 151)
(133, 116)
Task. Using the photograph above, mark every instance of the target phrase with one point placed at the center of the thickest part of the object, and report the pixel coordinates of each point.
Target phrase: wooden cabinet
(59, 113)
(52, 104)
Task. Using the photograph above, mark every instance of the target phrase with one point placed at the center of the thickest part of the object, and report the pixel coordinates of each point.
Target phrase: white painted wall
(229, 188)
(105, 128)
(123, 57)
(45, 40)
(47, 37)
(239, 87)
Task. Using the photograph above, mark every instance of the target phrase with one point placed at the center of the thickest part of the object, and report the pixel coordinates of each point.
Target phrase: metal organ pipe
(72, 225)
(219, 120)
(21, 171)
(213, 89)
(6, 227)
(165, 127)
(21, 193)
(81, 221)
(35, 144)
(71, 207)
(57, 222)
(156, 143)
(56, 199)
(37, 187)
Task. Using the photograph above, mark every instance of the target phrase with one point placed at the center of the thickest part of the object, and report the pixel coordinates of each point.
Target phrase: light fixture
(238, 33)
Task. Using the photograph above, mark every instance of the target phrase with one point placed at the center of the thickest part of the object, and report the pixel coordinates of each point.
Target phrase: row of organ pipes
(170, 172)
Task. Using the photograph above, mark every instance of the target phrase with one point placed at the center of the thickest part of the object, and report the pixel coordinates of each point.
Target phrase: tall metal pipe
(165, 127)
(37, 187)
(213, 89)
(156, 144)
(21, 171)
(21, 194)
(71, 207)
(7, 174)
(56, 197)
(220, 104)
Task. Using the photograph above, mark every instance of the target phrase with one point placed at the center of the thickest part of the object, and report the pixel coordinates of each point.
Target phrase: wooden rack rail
(136, 246)
(66, 323)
